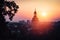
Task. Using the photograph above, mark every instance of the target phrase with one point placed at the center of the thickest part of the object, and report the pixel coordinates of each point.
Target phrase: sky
(47, 10)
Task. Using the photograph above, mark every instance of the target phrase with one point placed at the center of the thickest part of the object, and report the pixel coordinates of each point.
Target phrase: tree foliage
(9, 8)
(6, 8)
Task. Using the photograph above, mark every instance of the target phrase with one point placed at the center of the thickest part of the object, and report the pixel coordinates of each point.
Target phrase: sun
(43, 14)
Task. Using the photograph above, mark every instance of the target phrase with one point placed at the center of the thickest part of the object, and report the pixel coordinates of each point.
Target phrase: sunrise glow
(43, 14)
(39, 18)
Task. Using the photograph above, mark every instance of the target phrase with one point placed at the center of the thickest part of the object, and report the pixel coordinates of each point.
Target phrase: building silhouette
(35, 18)
(35, 23)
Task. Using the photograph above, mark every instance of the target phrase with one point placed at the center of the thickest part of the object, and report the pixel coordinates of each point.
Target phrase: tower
(35, 19)
(35, 23)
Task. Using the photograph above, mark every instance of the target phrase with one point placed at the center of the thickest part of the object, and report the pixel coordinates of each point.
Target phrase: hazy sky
(27, 7)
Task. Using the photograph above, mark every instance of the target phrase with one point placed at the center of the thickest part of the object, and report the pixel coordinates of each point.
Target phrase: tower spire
(35, 12)
(35, 19)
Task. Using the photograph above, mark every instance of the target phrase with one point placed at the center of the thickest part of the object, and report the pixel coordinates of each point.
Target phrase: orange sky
(27, 7)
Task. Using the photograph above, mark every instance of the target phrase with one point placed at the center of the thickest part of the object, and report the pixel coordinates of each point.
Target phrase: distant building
(35, 22)
(35, 19)
(28, 22)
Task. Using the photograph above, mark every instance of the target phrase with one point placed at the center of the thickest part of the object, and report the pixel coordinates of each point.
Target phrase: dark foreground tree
(6, 8)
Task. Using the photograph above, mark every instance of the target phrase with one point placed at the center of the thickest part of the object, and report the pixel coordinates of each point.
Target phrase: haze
(27, 8)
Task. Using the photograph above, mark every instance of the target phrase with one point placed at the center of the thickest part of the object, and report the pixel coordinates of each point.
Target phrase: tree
(6, 8)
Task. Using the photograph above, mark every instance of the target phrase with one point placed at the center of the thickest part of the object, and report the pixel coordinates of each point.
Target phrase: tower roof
(35, 16)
